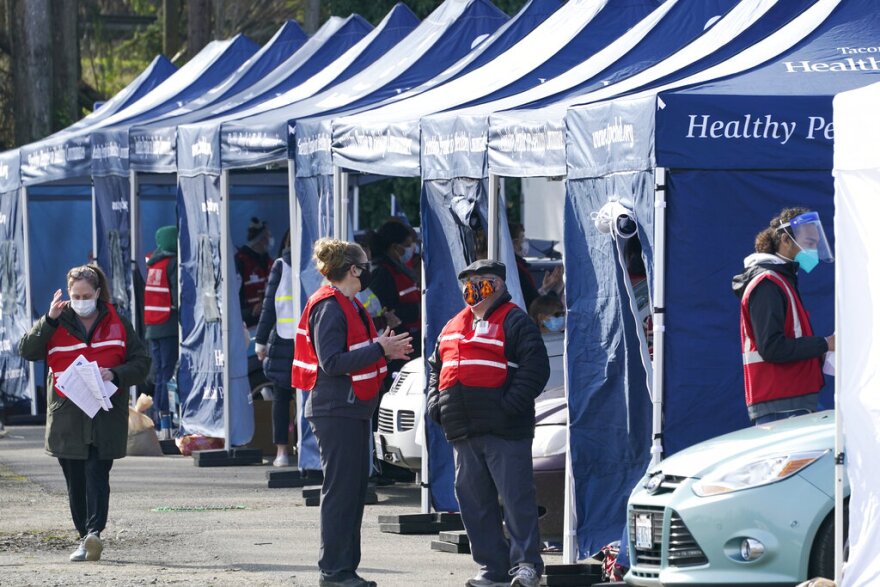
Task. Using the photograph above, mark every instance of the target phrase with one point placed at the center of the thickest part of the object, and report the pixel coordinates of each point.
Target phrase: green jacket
(69, 431)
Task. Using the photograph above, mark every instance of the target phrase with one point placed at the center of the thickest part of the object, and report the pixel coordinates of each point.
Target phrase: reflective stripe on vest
(474, 357)
(365, 382)
(157, 294)
(766, 381)
(284, 325)
(107, 347)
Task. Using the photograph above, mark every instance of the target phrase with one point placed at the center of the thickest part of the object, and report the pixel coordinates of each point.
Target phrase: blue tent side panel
(200, 378)
(113, 230)
(609, 407)
(703, 355)
(14, 320)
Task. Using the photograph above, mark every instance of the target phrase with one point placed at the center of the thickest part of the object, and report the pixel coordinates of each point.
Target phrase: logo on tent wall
(109, 151)
(379, 143)
(616, 132)
(4, 171)
(517, 139)
(211, 207)
(3, 218)
(152, 146)
(848, 64)
(239, 141)
(213, 393)
(56, 156)
(202, 148)
(766, 127)
(119, 206)
(317, 144)
(5, 346)
(460, 142)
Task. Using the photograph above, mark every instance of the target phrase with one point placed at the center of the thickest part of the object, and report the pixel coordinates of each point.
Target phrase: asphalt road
(235, 531)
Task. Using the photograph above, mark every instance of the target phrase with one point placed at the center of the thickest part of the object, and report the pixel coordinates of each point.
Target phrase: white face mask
(524, 248)
(84, 307)
(407, 254)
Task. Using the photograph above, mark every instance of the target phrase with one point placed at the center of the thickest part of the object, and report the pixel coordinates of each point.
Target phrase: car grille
(406, 420)
(398, 383)
(386, 420)
(683, 549)
(648, 557)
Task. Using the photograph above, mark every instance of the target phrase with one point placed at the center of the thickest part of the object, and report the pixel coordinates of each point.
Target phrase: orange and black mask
(475, 291)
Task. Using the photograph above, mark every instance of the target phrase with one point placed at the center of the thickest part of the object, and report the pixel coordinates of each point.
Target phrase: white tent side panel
(857, 205)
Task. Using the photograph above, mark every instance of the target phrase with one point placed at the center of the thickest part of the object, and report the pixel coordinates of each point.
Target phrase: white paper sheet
(81, 383)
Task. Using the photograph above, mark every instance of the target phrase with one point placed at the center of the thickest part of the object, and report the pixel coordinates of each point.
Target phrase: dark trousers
(88, 490)
(164, 351)
(280, 414)
(486, 468)
(344, 444)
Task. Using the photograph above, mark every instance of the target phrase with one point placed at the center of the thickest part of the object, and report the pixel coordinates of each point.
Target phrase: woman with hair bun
(341, 360)
(87, 325)
(782, 359)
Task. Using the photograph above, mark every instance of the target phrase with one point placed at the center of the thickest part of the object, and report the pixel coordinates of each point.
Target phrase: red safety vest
(254, 277)
(407, 290)
(473, 356)
(157, 294)
(304, 372)
(765, 381)
(107, 347)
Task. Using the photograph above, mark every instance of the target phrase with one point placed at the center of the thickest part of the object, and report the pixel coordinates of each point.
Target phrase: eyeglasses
(83, 273)
(361, 266)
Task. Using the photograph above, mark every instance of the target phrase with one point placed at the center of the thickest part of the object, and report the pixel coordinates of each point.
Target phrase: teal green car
(753, 507)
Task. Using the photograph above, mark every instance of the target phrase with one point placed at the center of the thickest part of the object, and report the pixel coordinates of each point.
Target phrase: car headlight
(764, 471)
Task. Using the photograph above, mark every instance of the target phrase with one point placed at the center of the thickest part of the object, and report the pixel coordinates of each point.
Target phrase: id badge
(482, 327)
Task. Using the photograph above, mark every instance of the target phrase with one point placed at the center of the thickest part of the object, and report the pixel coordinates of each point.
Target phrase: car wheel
(822, 553)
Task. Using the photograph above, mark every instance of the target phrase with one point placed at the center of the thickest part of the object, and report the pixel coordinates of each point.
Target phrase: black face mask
(365, 277)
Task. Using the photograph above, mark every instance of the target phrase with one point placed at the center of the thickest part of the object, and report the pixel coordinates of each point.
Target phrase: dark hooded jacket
(509, 411)
(767, 308)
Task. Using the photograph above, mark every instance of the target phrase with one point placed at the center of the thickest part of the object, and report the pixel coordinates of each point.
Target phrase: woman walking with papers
(81, 330)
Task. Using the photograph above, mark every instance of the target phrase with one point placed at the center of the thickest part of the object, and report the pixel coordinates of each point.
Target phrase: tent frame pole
(343, 206)
(224, 305)
(94, 223)
(356, 196)
(295, 221)
(659, 313)
(425, 473)
(134, 237)
(492, 229)
(28, 303)
(839, 446)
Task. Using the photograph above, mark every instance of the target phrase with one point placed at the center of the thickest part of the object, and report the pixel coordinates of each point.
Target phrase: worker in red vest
(253, 264)
(782, 358)
(396, 279)
(85, 447)
(160, 313)
(341, 360)
(489, 365)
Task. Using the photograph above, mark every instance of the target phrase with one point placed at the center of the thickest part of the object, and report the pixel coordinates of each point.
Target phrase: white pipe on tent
(658, 313)
(134, 237)
(296, 289)
(224, 305)
(569, 521)
(424, 474)
(23, 202)
(839, 448)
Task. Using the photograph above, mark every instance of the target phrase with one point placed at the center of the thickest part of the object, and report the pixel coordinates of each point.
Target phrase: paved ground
(251, 535)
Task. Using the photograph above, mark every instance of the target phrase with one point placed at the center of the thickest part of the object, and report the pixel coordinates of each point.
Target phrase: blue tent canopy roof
(777, 115)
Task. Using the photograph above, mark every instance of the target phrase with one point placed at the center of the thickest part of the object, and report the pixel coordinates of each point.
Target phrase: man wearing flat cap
(489, 365)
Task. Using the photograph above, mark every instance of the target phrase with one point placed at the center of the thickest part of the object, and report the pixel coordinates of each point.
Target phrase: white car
(402, 410)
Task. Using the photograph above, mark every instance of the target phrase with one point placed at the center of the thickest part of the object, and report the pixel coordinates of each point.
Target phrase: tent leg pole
(659, 312)
(492, 229)
(569, 527)
(224, 306)
(356, 195)
(343, 207)
(25, 222)
(425, 473)
(296, 287)
(134, 237)
(839, 447)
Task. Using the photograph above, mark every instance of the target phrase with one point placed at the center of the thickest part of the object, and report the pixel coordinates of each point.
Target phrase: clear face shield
(807, 232)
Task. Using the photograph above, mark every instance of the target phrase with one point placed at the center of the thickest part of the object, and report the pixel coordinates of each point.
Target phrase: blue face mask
(808, 259)
(555, 324)
(407, 254)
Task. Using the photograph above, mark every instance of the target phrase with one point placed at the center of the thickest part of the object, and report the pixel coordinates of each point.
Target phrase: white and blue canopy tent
(17, 381)
(611, 155)
(56, 182)
(385, 141)
(203, 167)
(857, 275)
